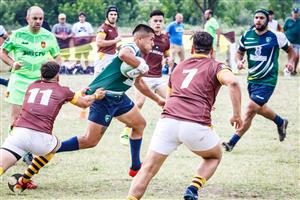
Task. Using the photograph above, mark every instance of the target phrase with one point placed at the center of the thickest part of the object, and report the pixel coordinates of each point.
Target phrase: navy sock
(234, 139)
(135, 147)
(3, 82)
(193, 189)
(278, 120)
(69, 145)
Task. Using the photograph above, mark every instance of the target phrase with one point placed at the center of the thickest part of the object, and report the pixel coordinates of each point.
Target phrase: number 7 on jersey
(191, 73)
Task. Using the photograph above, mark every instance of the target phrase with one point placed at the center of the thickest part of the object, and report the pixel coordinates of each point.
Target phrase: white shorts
(170, 133)
(155, 83)
(23, 140)
(102, 61)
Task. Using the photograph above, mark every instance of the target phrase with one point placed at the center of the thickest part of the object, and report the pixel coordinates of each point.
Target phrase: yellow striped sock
(1, 171)
(198, 182)
(37, 163)
(131, 198)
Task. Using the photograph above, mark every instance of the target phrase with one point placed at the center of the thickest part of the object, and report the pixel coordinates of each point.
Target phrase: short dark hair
(271, 12)
(210, 12)
(81, 13)
(202, 42)
(143, 28)
(49, 69)
(156, 13)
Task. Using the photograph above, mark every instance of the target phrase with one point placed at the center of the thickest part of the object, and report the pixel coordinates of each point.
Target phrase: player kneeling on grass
(186, 117)
(33, 130)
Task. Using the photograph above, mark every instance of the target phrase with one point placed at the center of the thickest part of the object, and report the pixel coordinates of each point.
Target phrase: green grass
(259, 168)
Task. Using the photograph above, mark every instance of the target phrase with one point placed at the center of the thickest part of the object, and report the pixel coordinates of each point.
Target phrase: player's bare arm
(145, 90)
(291, 59)
(85, 101)
(101, 42)
(226, 77)
(8, 60)
(240, 59)
(127, 56)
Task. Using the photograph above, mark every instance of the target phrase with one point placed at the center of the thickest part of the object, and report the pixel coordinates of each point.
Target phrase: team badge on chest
(43, 44)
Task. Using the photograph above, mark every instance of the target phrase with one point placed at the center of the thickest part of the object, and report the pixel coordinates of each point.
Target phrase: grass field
(259, 168)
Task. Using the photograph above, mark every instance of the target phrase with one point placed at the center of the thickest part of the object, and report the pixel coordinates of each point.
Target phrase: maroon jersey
(155, 57)
(42, 102)
(110, 33)
(194, 87)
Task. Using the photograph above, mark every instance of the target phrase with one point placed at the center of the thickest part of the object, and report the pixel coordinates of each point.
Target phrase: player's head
(49, 70)
(62, 18)
(208, 14)
(271, 15)
(144, 37)
(156, 20)
(82, 17)
(261, 19)
(202, 42)
(295, 13)
(35, 17)
(112, 14)
(179, 18)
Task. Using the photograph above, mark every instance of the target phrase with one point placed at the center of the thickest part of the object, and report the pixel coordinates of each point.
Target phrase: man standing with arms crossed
(154, 59)
(31, 46)
(107, 39)
(262, 47)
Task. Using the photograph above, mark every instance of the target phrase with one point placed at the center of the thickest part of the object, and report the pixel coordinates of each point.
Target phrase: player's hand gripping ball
(132, 72)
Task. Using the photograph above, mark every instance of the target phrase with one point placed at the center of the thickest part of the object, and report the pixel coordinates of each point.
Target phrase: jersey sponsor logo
(25, 42)
(33, 53)
(258, 56)
(43, 44)
(156, 50)
(129, 82)
(257, 51)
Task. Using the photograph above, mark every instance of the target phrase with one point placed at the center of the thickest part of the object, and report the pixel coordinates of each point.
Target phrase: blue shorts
(260, 93)
(102, 111)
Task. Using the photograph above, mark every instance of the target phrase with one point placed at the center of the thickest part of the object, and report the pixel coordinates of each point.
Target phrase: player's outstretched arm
(85, 101)
(226, 77)
(145, 90)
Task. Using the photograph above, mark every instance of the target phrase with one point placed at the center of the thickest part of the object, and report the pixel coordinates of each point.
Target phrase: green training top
(211, 27)
(111, 78)
(292, 30)
(31, 49)
(262, 55)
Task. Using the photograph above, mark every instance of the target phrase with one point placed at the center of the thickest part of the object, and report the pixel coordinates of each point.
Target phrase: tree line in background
(132, 12)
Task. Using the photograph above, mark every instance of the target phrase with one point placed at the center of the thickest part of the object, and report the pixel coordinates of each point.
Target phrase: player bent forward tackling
(33, 131)
(186, 117)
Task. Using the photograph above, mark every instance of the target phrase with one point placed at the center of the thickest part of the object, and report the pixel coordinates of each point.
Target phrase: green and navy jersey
(111, 78)
(32, 50)
(262, 55)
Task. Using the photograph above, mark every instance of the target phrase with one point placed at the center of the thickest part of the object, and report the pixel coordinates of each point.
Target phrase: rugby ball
(12, 184)
(126, 68)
